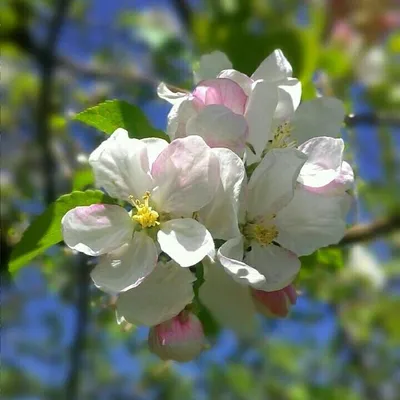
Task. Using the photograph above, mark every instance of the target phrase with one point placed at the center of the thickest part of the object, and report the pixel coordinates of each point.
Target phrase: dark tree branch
(82, 309)
(184, 13)
(386, 119)
(47, 65)
(365, 232)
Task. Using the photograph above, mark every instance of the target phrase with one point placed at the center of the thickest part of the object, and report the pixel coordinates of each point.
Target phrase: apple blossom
(166, 184)
(229, 109)
(180, 338)
(281, 222)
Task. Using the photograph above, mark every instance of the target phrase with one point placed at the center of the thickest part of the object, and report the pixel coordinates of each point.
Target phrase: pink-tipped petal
(96, 229)
(185, 176)
(276, 303)
(220, 91)
(220, 127)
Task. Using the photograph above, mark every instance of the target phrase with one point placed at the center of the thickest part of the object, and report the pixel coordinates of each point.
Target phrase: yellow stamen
(145, 215)
(282, 137)
(265, 235)
(261, 231)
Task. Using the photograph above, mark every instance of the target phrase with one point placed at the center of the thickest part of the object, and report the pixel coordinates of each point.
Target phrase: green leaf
(82, 179)
(114, 114)
(45, 229)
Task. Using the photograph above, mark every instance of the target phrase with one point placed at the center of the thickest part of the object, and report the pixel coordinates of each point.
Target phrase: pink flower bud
(180, 338)
(276, 303)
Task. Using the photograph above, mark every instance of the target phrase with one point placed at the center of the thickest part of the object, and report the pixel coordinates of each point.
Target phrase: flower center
(265, 235)
(261, 232)
(282, 137)
(145, 215)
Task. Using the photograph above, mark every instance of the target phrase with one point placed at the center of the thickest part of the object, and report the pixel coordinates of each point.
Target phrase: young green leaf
(114, 114)
(45, 229)
(82, 178)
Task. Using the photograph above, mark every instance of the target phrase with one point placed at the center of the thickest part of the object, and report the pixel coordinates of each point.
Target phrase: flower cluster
(248, 166)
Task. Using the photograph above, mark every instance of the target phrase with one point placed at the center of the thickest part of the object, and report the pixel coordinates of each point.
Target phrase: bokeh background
(59, 338)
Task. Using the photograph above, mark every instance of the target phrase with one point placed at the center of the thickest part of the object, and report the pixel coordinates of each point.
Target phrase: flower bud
(180, 338)
(276, 303)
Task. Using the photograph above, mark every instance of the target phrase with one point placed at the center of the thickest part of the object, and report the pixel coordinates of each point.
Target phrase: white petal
(324, 161)
(274, 68)
(178, 117)
(185, 240)
(229, 302)
(211, 65)
(345, 179)
(166, 94)
(310, 221)
(241, 79)
(220, 216)
(154, 147)
(161, 296)
(322, 116)
(118, 166)
(219, 127)
(289, 96)
(126, 268)
(186, 174)
(230, 255)
(278, 266)
(272, 184)
(260, 110)
(96, 229)
(109, 164)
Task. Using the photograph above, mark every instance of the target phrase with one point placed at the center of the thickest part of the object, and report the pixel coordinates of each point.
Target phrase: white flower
(166, 184)
(161, 296)
(281, 223)
(226, 109)
(363, 264)
(372, 65)
(263, 110)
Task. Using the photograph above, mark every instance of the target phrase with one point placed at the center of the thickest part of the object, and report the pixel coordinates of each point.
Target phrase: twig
(184, 13)
(82, 309)
(47, 67)
(365, 232)
(386, 119)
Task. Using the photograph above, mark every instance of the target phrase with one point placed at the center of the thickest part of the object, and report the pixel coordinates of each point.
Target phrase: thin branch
(385, 119)
(82, 309)
(184, 13)
(365, 232)
(47, 65)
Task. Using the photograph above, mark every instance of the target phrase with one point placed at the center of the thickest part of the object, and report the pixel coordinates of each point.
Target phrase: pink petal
(276, 303)
(220, 91)
(180, 338)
